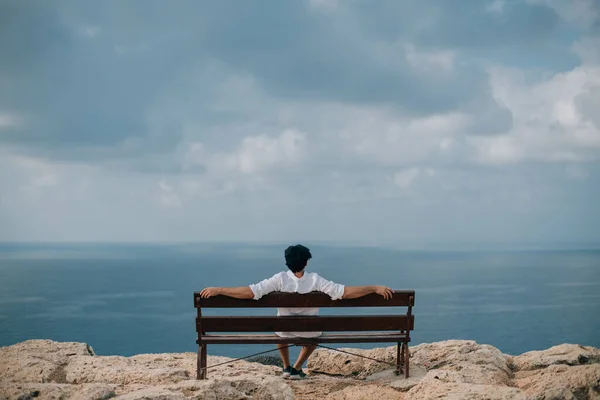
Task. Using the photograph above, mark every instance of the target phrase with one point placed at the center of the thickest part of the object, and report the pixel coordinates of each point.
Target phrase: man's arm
(242, 292)
(352, 292)
(255, 291)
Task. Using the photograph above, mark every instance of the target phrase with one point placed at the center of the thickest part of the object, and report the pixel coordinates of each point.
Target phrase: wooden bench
(357, 328)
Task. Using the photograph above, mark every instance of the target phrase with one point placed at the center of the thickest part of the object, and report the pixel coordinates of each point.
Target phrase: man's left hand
(210, 292)
(385, 292)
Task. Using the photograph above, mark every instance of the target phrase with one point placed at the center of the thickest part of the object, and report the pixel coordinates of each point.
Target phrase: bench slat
(325, 338)
(401, 298)
(307, 323)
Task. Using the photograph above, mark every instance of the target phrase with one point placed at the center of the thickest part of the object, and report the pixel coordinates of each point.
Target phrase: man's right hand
(384, 291)
(210, 292)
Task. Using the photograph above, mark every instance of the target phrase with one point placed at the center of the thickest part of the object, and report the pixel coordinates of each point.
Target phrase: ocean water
(130, 299)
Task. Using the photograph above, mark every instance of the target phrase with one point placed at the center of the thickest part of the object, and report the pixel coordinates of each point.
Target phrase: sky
(395, 121)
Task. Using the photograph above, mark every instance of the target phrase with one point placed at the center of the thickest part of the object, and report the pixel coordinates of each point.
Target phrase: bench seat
(372, 337)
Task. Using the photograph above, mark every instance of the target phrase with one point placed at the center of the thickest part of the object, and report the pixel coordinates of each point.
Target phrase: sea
(126, 299)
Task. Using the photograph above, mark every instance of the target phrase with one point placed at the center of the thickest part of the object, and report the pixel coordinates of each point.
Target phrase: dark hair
(296, 257)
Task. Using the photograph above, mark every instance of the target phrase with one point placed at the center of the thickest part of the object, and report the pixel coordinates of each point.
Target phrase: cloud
(518, 22)
(405, 177)
(587, 104)
(220, 120)
(553, 119)
(92, 31)
(258, 153)
(251, 159)
(168, 196)
(100, 99)
(576, 172)
(329, 58)
(588, 49)
(582, 13)
(8, 121)
(496, 6)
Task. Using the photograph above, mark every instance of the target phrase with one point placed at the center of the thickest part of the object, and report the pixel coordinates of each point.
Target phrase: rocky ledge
(454, 369)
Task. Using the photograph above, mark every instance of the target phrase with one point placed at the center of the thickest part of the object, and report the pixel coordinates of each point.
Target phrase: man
(296, 280)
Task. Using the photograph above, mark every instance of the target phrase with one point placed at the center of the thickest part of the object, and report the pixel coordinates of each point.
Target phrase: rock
(149, 369)
(451, 385)
(270, 389)
(320, 386)
(399, 382)
(240, 369)
(562, 382)
(52, 391)
(46, 391)
(267, 360)
(480, 364)
(463, 391)
(367, 392)
(152, 394)
(154, 369)
(75, 372)
(477, 363)
(454, 369)
(332, 362)
(261, 388)
(93, 392)
(39, 360)
(403, 384)
(569, 354)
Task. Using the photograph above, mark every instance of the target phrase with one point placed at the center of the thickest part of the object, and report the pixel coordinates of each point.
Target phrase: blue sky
(317, 120)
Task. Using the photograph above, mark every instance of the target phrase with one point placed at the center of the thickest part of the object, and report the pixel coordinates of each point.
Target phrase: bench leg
(199, 363)
(399, 358)
(203, 361)
(406, 359)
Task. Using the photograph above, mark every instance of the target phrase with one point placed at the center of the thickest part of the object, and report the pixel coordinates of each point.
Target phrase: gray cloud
(352, 120)
(589, 103)
(77, 91)
(89, 78)
(469, 23)
(299, 53)
(472, 23)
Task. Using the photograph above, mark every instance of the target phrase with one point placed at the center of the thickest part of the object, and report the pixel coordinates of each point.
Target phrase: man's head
(296, 257)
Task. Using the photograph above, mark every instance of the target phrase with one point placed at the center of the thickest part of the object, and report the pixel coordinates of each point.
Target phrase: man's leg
(284, 351)
(303, 356)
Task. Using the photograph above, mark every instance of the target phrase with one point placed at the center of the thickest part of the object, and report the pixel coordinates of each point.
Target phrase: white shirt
(290, 283)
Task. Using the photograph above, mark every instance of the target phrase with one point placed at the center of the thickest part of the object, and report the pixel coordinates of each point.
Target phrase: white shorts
(299, 312)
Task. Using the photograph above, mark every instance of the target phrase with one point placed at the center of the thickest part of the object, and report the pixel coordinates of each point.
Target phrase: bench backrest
(245, 323)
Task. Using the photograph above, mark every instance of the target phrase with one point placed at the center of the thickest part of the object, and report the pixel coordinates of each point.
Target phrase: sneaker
(285, 372)
(297, 374)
